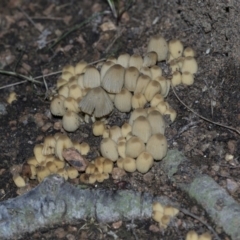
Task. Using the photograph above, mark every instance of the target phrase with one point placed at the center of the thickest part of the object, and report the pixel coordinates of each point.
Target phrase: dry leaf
(74, 158)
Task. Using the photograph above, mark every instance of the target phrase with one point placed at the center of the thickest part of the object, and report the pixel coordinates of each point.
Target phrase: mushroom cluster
(48, 159)
(163, 214)
(182, 63)
(192, 235)
(126, 83)
(130, 83)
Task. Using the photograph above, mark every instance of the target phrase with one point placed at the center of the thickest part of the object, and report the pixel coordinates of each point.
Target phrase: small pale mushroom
(96, 102)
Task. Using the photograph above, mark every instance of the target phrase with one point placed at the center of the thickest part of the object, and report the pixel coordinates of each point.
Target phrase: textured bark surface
(56, 201)
(221, 207)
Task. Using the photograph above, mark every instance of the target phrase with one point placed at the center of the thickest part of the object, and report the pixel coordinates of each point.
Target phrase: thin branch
(186, 212)
(12, 84)
(200, 116)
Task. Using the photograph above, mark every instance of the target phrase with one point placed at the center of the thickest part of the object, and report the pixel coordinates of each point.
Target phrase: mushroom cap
(114, 78)
(152, 89)
(123, 59)
(159, 45)
(123, 100)
(175, 48)
(144, 162)
(157, 146)
(136, 61)
(134, 146)
(91, 78)
(150, 59)
(71, 121)
(96, 102)
(192, 235)
(157, 122)
(156, 71)
(108, 149)
(142, 83)
(142, 128)
(130, 79)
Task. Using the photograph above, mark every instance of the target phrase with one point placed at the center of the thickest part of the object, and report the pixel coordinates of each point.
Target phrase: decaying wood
(56, 201)
(221, 207)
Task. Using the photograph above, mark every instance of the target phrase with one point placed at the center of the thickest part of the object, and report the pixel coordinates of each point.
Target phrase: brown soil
(209, 27)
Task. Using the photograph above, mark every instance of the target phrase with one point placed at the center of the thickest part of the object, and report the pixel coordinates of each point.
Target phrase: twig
(118, 34)
(13, 84)
(30, 79)
(200, 116)
(186, 212)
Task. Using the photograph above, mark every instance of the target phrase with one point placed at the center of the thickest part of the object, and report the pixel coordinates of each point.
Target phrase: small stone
(118, 173)
(232, 186)
(117, 225)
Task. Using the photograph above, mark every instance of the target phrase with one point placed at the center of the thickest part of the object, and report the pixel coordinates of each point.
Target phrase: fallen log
(56, 201)
(220, 206)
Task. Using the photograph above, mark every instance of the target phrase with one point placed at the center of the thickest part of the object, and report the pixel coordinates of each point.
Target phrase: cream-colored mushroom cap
(156, 71)
(189, 52)
(134, 146)
(115, 133)
(107, 166)
(130, 78)
(69, 68)
(176, 78)
(75, 91)
(156, 122)
(172, 113)
(159, 45)
(144, 162)
(121, 147)
(71, 121)
(91, 78)
(136, 61)
(165, 85)
(125, 129)
(84, 148)
(96, 102)
(38, 153)
(187, 78)
(175, 48)
(192, 235)
(146, 71)
(72, 172)
(19, 181)
(156, 100)
(158, 207)
(170, 211)
(56, 106)
(152, 89)
(62, 143)
(150, 59)
(106, 65)
(141, 128)
(205, 236)
(138, 100)
(123, 100)
(157, 146)
(108, 149)
(63, 173)
(42, 172)
(61, 82)
(129, 164)
(71, 104)
(63, 91)
(190, 65)
(157, 216)
(80, 67)
(48, 145)
(142, 83)
(123, 59)
(136, 113)
(66, 75)
(98, 128)
(114, 78)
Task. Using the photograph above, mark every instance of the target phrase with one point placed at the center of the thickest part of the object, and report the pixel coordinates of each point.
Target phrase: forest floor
(27, 33)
